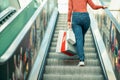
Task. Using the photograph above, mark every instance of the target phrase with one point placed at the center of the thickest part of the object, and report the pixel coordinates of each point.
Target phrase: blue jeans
(80, 25)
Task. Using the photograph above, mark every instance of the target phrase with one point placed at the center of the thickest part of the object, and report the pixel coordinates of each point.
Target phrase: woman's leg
(80, 25)
(79, 40)
(85, 26)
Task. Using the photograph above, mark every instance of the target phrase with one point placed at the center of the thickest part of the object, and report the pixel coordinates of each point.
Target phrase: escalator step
(86, 40)
(88, 32)
(71, 70)
(87, 36)
(63, 56)
(72, 77)
(88, 62)
(87, 44)
(87, 49)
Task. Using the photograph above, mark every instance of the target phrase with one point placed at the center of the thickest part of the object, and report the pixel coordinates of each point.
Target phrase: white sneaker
(81, 63)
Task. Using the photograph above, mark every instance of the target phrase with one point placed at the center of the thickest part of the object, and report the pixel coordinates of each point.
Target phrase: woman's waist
(78, 13)
(79, 10)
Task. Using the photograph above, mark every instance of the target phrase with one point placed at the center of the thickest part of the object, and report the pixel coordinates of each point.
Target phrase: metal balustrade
(31, 21)
(109, 29)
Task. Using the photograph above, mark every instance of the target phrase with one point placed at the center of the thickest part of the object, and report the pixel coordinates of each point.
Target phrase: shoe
(81, 63)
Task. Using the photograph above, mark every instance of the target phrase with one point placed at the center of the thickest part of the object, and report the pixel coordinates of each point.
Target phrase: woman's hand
(104, 7)
(69, 25)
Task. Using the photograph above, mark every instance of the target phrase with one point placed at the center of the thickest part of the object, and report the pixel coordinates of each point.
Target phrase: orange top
(80, 6)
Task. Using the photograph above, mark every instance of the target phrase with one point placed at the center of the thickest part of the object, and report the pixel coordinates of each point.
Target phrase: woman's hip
(80, 17)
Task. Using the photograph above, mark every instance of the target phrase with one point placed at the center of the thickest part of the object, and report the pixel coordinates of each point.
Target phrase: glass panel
(111, 38)
(31, 43)
(23, 2)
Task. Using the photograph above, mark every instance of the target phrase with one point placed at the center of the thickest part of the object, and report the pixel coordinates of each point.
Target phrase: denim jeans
(80, 25)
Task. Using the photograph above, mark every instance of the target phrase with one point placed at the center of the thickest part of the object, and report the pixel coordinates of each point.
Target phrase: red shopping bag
(63, 46)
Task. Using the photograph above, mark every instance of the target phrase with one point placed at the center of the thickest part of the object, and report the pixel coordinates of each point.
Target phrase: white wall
(63, 6)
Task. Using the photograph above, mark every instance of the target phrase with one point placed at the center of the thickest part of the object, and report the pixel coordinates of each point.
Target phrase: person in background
(18, 75)
(79, 21)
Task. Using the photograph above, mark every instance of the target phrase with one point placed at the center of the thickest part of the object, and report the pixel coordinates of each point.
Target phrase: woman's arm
(94, 6)
(70, 7)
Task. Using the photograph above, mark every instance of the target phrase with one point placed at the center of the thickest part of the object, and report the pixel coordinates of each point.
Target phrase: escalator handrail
(6, 12)
(9, 52)
(13, 17)
(112, 18)
(102, 52)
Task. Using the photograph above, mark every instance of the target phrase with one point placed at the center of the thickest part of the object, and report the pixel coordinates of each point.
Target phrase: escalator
(6, 14)
(62, 67)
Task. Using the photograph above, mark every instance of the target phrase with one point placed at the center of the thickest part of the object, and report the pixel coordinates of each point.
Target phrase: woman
(77, 10)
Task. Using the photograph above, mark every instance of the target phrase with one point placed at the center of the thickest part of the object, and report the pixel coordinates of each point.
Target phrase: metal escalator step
(87, 36)
(65, 28)
(72, 77)
(65, 62)
(55, 55)
(63, 56)
(87, 44)
(63, 16)
(86, 53)
(54, 44)
(71, 70)
(62, 19)
(61, 23)
(87, 49)
(86, 40)
(57, 31)
(61, 26)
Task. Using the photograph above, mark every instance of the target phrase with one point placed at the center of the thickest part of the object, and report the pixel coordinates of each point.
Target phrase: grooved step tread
(87, 49)
(74, 62)
(72, 77)
(87, 36)
(63, 56)
(89, 40)
(87, 44)
(73, 70)
(88, 32)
